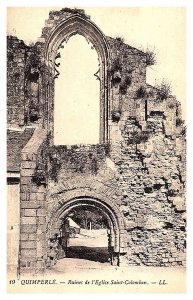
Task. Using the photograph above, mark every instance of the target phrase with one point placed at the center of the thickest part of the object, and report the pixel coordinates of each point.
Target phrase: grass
(150, 57)
(163, 90)
(141, 92)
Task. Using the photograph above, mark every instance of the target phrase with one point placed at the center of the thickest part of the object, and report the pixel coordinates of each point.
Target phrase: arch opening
(87, 229)
(77, 94)
(73, 26)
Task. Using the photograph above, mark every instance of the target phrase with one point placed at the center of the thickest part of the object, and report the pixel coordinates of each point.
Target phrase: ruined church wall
(141, 168)
(143, 163)
(25, 84)
(16, 56)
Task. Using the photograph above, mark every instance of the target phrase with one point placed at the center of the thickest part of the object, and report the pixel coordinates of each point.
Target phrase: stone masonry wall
(153, 196)
(16, 56)
(25, 84)
(141, 168)
(143, 163)
(84, 167)
(149, 181)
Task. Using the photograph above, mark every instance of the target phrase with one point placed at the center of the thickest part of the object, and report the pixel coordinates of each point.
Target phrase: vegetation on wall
(118, 77)
(124, 84)
(78, 159)
(115, 71)
(137, 137)
(116, 116)
(163, 90)
(150, 57)
(33, 65)
(119, 39)
(141, 92)
(179, 122)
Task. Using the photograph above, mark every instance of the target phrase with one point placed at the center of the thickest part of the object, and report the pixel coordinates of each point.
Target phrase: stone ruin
(135, 175)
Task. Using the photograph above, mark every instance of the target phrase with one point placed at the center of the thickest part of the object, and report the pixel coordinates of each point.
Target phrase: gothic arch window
(77, 94)
(62, 33)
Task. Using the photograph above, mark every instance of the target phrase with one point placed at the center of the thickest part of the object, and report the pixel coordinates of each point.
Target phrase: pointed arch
(61, 33)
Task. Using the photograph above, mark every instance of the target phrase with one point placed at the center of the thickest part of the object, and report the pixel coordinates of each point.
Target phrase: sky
(161, 29)
(77, 91)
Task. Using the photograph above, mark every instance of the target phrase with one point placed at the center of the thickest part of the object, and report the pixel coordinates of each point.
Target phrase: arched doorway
(110, 229)
(85, 234)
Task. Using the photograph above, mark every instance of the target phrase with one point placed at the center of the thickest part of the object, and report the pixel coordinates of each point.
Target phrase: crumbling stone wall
(149, 187)
(127, 72)
(25, 84)
(16, 54)
(140, 169)
(150, 173)
(76, 159)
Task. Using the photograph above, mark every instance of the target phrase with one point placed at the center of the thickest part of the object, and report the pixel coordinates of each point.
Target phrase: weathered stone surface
(29, 212)
(28, 220)
(28, 228)
(137, 176)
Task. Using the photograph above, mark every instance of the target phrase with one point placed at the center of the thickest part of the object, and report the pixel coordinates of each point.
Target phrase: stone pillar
(33, 250)
(32, 221)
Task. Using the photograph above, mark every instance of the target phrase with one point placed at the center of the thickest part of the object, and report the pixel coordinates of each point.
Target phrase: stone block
(26, 156)
(32, 264)
(32, 236)
(28, 245)
(24, 187)
(41, 40)
(41, 204)
(41, 212)
(27, 271)
(42, 228)
(27, 172)
(28, 253)
(33, 196)
(28, 164)
(174, 254)
(23, 237)
(23, 263)
(42, 220)
(30, 212)
(25, 180)
(23, 196)
(40, 236)
(28, 228)
(40, 196)
(28, 220)
(29, 204)
(40, 264)
(37, 189)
